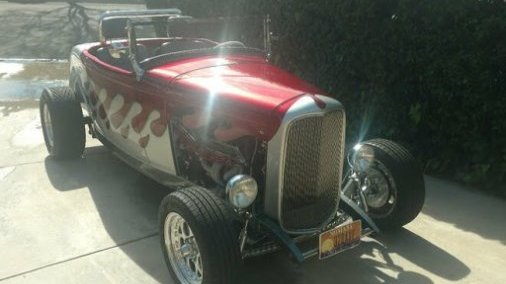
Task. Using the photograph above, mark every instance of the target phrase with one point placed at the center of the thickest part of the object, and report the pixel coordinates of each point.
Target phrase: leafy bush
(430, 74)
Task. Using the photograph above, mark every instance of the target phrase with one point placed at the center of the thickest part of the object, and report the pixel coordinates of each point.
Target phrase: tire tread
(67, 121)
(214, 221)
(408, 178)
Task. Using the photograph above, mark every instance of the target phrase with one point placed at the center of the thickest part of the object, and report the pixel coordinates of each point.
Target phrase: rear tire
(406, 184)
(62, 123)
(210, 221)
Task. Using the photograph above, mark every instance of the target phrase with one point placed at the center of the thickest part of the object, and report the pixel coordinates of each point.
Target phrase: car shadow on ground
(128, 202)
(371, 262)
(466, 209)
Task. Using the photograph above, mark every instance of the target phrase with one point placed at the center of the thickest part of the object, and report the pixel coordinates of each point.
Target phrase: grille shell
(312, 170)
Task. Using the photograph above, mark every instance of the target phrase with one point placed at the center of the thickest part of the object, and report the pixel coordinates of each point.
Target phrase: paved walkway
(46, 31)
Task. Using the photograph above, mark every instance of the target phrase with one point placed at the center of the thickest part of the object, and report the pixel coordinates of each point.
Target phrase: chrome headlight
(241, 190)
(363, 157)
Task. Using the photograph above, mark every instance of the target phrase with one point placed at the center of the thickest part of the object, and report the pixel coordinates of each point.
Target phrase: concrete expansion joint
(20, 164)
(154, 234)
(5, 171)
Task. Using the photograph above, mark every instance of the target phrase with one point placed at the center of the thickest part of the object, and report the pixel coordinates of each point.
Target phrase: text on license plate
(340, 238)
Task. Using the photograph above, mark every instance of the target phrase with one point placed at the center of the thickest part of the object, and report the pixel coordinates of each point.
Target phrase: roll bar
(134, 14)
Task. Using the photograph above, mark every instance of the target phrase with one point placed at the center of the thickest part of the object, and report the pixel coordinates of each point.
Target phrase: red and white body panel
(245, 91)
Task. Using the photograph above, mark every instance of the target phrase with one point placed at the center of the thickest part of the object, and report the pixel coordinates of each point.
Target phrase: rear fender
(78, 79)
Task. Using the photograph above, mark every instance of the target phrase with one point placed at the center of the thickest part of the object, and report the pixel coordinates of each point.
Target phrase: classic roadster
(255, 156)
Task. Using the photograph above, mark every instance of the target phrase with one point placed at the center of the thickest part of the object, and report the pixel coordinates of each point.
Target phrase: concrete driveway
(95, 221)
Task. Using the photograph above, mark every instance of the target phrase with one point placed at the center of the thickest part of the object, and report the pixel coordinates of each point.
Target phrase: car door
(130, 114)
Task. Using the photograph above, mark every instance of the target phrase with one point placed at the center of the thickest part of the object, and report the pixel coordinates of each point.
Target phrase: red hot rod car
(254, 154)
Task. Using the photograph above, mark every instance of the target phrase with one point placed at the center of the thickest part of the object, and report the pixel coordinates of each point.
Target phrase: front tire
(62, 123)
(198, 239)
(397, 187)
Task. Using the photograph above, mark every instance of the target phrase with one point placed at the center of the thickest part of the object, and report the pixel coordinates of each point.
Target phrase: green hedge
(429, 74)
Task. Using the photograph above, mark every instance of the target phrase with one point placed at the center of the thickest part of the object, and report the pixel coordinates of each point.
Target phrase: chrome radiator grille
(312, 173)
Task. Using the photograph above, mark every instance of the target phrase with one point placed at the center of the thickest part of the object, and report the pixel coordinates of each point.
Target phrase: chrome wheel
(48, 126)
(390, 189)
(182, 249)
(379, 191)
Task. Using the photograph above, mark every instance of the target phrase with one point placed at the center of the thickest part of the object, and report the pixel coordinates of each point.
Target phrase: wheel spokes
(183, 249)
(48, 126)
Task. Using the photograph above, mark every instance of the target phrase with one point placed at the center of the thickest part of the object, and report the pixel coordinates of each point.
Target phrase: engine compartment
(209, 154)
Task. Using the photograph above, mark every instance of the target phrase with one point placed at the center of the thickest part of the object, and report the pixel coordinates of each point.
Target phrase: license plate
(340, 238)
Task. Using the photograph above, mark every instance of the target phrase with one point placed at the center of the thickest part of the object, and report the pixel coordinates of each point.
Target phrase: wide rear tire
(62, 123)
(210, 222)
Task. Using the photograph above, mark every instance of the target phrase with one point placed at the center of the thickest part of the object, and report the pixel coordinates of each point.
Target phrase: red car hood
(244, 87)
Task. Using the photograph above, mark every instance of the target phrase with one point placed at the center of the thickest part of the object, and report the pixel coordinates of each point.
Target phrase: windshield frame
(167, 16)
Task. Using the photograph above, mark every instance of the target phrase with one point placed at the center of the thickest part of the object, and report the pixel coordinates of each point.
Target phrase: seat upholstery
(181, 45)
(142, 52)
(231, 43)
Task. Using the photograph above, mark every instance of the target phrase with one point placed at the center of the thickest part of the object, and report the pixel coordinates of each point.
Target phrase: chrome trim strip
(139, 13)
(276, 153)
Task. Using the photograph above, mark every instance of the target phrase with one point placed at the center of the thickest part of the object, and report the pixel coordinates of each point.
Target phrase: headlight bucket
(241, 190)
(363, 157)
